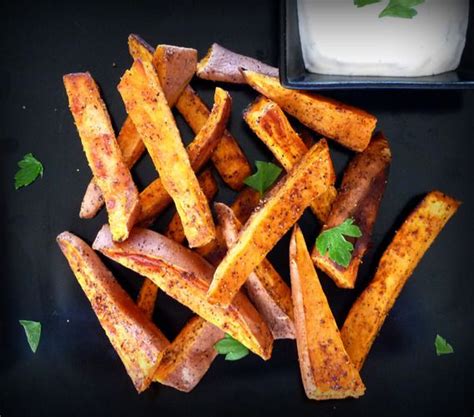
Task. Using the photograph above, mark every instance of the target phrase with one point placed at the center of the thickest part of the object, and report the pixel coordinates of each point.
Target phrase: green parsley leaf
(442, 346)
(33, 333)
(266, 175)
(29, 170)
(333, 242)
(362, 3)
(231, 348)
(401, 8)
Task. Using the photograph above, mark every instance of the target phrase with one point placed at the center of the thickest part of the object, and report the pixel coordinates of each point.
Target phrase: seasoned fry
(245, 203)
(132, 149)
(228, 158)
(166, 60)
(209, 187)
(103, 153)
(220, 64)
(149, 291)
(270, 124)
(147, 296)
(170, 60)
(185, 276)
(398, 262)
(137, 341)
(146, 104)
(280, 210)
(349, 126)
(326, 369)
(359, 198)
(188, 358)
(265, 287)
(154, 199)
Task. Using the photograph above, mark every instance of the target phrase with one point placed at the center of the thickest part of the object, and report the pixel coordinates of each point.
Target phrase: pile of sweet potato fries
(216, 265)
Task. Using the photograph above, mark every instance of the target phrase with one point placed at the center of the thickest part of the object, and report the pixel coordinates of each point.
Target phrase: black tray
(293, 73)
(75, 371)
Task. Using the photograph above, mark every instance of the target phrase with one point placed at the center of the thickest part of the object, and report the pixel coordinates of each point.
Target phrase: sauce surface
(340, 39)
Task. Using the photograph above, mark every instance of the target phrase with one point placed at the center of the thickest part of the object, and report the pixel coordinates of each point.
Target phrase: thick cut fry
(326, 369)
(228, 158)
(170, 60)
(147, 296)
(265, 287)
(271, 125)
(166, 59)
(149, 291)
(348, 125)
(209, 187)
(220, 64)
(154, 198)
(135, 338)
(103, 153)
(398, 262)
(359, 198)
(244, 203)
(185, 276)
(280, 210)
(146, 104)
(132, 149)
(188, 358)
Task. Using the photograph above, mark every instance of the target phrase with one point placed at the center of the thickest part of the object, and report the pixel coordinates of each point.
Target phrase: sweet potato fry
(103, 153)
(265, 287)
(154, 198)
(135, 338)
(188, 358)
(185, 276)
(132, 149)
(244, 203)
(349, 126)
(166, 59)
(271, 125)
(209, 187)
(326, 369)
(359, 198)
(220, 64)
(147, 106)
(228, 158)
(280, 210)
(147, 296)
(398, 262)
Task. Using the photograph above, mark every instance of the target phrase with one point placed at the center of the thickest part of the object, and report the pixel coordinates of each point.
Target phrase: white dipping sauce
(340, 39)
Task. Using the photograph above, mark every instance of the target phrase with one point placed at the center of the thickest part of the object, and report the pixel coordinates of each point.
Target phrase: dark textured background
(75, 372)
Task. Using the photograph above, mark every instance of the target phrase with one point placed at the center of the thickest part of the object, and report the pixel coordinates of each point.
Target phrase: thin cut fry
(188, 358)
(398, 262)
(154, 199)
(265, 287)
(326, 369)
(244, 203)
(137, 341)
(185, 276)
(209, 187)
(103, 153)
(166, 59)
(349, 126)
(280, 210)
(147, 296)
(359, 198)
(147, 106)
(228, 158)
(271, 125)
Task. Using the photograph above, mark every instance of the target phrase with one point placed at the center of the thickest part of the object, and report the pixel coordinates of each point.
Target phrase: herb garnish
(33, 333)
(266, 175)
(333, 242)
(442, 346)
(231, 348)
(30, 169)
(404, 9)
